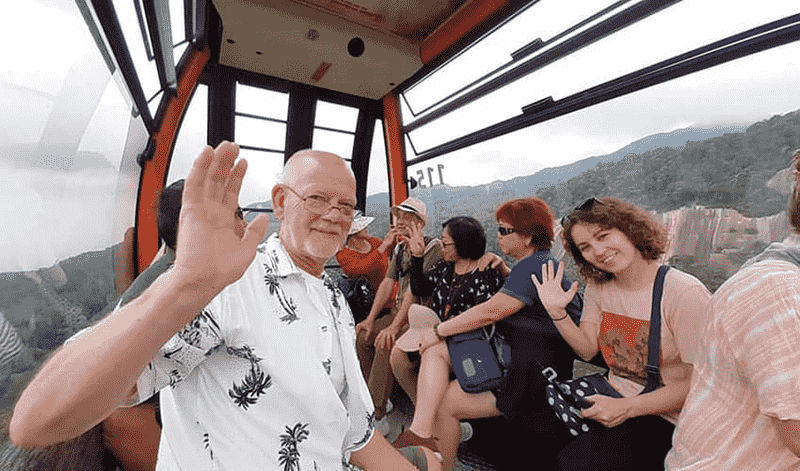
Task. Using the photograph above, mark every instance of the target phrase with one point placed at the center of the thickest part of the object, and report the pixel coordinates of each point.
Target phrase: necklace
(456, 286)
(470, 267)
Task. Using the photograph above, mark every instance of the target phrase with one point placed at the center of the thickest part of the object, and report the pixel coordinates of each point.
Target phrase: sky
(53, 210)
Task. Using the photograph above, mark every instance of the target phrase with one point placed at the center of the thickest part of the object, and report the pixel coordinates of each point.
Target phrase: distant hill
(676, 139)
(727, 166)
(528, 184)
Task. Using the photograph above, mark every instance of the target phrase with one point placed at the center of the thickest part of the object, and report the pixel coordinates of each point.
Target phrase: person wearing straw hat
(363, 254)
(366, 256)
(393, 294)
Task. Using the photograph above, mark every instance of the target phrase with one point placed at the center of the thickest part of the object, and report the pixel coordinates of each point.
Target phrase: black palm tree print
(207, 445)
(371, 422)
(255, 383)
(289, 455)
(335, 292)
(275, 289)
(174, 378)
(202, 325)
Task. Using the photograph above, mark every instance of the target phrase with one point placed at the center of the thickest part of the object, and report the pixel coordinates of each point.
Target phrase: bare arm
(379, 455)
(388, 335)
(381, 297)
(555, 301)
(488, 312)
(97, 372)
(789, 431)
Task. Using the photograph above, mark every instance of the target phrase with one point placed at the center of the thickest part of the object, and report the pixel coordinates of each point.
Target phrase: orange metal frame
(457, 26)
(395, 149)
(155, 170)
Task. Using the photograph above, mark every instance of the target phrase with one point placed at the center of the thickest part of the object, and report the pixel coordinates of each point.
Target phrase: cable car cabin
(687, 108)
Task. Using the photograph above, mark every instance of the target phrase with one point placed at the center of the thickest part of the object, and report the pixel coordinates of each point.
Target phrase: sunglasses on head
(585, 206)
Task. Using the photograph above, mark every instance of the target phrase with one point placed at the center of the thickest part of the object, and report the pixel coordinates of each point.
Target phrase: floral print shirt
(448, 294)
(266, 377)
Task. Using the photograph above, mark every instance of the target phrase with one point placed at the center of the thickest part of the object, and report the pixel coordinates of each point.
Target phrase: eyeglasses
(239, 213)
(504, 231)
(585, 206)
(320, 205)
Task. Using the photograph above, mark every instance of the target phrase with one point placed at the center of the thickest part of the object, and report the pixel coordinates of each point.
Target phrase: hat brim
(360, 224)
(410, 211)
(420, 318)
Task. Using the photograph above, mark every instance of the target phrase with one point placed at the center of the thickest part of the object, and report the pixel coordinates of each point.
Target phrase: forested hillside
(729, 171)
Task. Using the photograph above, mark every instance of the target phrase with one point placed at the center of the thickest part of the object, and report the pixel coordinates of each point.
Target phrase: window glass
(708, 150)
(620, 53)
(508, 101)
(378, 181)
(177, 52)
(153, 103)
(263, 170)
(67, 163)
(339, 143)
(260, 102)
(378, 185)
(191, 137)
(177, 21)
(331, 115)
(145, 68)
(543, 20)
(260, 133)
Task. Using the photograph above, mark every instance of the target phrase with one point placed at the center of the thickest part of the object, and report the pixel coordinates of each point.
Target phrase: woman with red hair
(525, 232)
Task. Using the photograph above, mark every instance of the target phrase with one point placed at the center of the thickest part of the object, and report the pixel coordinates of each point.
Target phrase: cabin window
(334, 128)
(191, 136)
(262, 102)
(260, 129)
(377, 183)
(591, 65)
(139, 44)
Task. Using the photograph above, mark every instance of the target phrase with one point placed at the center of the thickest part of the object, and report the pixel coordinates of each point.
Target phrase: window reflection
(67, 156)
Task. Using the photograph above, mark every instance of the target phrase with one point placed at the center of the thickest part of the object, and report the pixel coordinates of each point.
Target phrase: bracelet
(561, 318)
(436, 332)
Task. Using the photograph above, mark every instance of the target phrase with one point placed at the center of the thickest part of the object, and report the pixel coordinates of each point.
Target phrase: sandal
(409, 438)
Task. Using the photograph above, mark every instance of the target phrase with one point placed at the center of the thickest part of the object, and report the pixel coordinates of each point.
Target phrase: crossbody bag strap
(654, 342)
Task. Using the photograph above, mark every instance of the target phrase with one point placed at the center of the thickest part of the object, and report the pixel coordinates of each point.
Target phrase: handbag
(481, 359)
(568, 398)
(358, 295)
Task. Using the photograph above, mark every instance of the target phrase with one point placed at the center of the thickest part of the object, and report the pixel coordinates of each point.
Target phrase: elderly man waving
(266, 375)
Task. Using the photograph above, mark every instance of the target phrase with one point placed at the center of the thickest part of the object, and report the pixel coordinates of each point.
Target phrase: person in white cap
(382, 332)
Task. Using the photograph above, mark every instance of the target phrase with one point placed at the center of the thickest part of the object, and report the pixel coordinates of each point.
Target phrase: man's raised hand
(208, 249)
